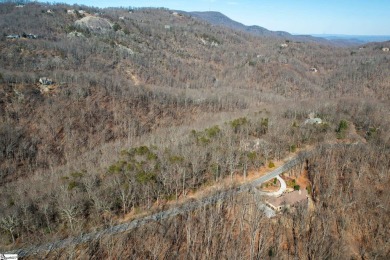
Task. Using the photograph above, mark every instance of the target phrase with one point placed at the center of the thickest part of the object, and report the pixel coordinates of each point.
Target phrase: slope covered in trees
(149, 105)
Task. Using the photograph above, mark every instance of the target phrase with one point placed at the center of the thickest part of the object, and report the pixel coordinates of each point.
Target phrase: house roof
(313, 121)
(289, 199)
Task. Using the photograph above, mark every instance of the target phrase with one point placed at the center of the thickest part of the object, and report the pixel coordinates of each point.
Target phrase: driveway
(283, 187)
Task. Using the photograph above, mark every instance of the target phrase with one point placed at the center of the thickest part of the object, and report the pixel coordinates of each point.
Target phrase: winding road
(283, 187)
(184, 208)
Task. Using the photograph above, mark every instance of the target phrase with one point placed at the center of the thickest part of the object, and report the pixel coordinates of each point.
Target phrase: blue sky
(353, 17)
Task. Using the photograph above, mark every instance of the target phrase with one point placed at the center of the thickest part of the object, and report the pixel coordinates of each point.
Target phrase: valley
(140, 133)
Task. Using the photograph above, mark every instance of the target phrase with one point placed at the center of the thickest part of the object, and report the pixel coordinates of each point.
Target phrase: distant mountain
(219, 19)
(357, 39)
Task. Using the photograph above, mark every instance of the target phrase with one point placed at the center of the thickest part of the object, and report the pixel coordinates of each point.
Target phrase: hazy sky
(354, 17)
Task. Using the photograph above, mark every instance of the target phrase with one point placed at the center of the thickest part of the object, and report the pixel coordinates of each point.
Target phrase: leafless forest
(148, 106)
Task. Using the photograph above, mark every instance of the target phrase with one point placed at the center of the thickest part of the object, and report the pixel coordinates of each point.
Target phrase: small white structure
(82, 12)
(19, 6)
(75, 34)
(121, 18)
(49, 11)
(314, 70)
(283, 45)
(13, 36)
(385, 49)
(313, 120)
(167, 27)
(71, 11)
(9, 256)
(45, 81)
(31, 36)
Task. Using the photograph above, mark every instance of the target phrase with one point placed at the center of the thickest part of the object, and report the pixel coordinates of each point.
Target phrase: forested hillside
(109, 114)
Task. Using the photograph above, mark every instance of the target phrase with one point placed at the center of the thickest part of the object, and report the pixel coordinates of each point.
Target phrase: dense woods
(348, 220)
(147, 106)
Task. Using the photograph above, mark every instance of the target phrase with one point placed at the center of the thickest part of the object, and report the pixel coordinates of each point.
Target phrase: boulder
(95, 24)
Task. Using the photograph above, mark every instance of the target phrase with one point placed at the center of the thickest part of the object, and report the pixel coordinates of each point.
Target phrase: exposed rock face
(125, 49)
(95, 24)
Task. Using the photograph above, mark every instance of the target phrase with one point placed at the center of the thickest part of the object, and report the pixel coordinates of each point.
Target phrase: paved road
(283, 187)
(187, 207)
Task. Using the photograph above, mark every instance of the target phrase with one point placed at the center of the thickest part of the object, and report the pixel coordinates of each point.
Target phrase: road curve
(187, 207)
(283, 187)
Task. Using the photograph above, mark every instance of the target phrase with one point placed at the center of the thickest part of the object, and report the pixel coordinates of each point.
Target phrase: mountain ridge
(219, 19)
(110, 114)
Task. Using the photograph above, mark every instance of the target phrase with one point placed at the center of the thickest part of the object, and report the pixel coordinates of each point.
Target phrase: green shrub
(343, 125)
(341, 129)
(142, 150)
(116, 27)
(203, 140)
(145, 177)
(176, 159)
(170, 197)
(151, 156)
(372, 133)
(252, 156)
(290, 183)
(72, 185)
(271, 164)
(115, 168)
(297, 187)
(270, 252)
(213, 131)
(124, 153)
(216, 169)
(236, 124)
(293, 148)
(324, 127)
(263, 128)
